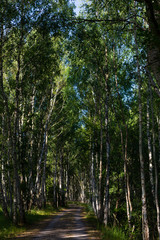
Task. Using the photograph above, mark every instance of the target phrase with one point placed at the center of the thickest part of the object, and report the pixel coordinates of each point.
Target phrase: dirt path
(69, 224)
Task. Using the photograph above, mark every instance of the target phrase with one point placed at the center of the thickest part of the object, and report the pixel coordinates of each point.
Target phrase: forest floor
(68, 224)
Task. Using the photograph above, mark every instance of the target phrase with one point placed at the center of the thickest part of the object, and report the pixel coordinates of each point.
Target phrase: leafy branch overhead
(79, 110)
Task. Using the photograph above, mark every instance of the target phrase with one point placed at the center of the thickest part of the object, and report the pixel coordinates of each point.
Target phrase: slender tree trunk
(3, 167)
(93, 179)
(38, 176)
(100, 169)
(5, 103)
(106, 207)
(67, 179)
(17, 137)
(30, 156)
(127, 188)
(155, 165)
(9, 182)
(55, 184)
(145, 226)
(124, 150)
(43, 201)
(62, 193)
(158, 122)
(17, 142)
(150, 148)
(3, 194)
(11, 138)
(53, 98)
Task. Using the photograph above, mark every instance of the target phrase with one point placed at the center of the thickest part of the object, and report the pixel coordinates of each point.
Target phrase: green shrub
(112, 234)
(8, 229)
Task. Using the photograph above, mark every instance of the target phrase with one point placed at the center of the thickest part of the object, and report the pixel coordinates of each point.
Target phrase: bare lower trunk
(155, 166)
(158, 121)
(67, 180)
(62, 191)
(10, 136)
(127, 188)
(30, 156)
(150, 148)
(38, 176)
(124, 150)
(55, 203)
(145, 226)
(43, 187)
(3, 200)
(10, 184)
(3, 173)
(93, 180)
(100, 208)
(106, 205)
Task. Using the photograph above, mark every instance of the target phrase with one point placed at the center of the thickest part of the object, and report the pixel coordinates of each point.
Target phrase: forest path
(68, 224)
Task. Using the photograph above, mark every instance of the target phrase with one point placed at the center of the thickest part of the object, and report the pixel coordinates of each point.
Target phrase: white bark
(100, 208)
(145, 226)
(93, 180)
(38, 175)
(158, 121)
(54, 183)
(155, 166)
(150, 148)
(106, 202)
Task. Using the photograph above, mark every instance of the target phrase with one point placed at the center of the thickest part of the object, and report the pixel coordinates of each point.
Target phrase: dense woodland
(80, 109)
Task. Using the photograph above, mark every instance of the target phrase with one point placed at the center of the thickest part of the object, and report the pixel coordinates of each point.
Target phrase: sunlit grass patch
(7, 229)
(107, 233)
(36, 214)
(112, 234)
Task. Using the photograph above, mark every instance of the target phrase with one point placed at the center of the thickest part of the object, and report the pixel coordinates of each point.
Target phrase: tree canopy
(80, 110)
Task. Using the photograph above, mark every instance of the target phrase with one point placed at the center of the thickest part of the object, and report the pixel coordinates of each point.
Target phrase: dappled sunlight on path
(69, 224)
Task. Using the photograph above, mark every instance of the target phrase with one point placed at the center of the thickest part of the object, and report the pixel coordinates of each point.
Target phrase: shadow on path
(68, 224)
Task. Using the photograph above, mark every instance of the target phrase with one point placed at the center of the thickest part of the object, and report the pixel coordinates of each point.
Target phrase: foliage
(70, 109)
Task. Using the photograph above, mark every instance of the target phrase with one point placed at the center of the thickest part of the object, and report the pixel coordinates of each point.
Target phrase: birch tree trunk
(127, 188)
(149, 146)
(158, 122)
(3, 195)
(30, 155)
(11, 138)
(106, 206)
(55, 203)
(155, 165)
(43, 187)
(38, 176)
(100, 169)
(3, 172)
(37, 189)
(145, 226)
(124, 150)
(93, 199)
(62, 193)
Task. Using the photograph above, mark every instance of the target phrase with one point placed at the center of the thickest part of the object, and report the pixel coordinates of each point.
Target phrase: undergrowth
(8, 229)
(107, 233)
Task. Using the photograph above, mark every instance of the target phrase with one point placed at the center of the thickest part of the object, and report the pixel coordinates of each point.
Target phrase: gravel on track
(68, 224)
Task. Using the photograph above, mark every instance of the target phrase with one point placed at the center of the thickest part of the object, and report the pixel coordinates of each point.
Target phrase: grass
(7, 229)
(107, 233)
(113, 233)
(35, 214)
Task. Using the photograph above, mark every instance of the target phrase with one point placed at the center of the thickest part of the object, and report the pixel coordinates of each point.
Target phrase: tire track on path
(68, 224)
